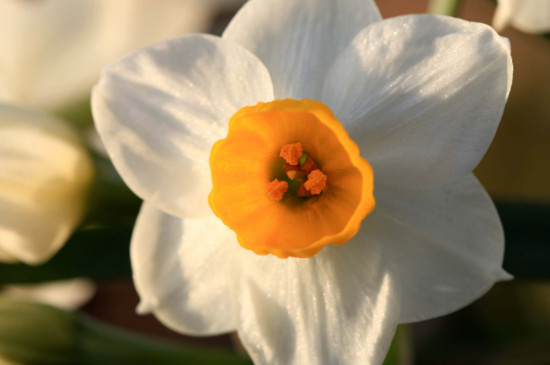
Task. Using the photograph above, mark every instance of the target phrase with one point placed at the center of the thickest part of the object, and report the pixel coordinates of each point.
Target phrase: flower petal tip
(145, 307)
(503, 275)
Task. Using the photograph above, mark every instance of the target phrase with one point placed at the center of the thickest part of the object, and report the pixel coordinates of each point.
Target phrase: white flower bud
(44, 177)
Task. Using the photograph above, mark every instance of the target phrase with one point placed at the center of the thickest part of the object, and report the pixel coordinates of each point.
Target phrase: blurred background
(509, 325)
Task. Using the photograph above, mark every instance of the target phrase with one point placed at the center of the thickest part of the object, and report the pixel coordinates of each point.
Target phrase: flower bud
(44, 176)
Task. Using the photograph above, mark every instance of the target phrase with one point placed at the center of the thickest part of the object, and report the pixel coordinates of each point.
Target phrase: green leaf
(400, 348)
(32, 333)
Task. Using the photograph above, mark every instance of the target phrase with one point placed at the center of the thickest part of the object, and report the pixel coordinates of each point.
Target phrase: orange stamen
(302, 192)
(316, 182)
(292, 152)
(276, 189)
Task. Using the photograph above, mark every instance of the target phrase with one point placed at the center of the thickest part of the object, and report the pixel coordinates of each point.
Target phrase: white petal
(298, 40)
(159, 111)
(181, 271)
(53, 51)
(44, 177)
(66, 294)
(530, 16)
(339, 307)
(447, 243)
(422, 96)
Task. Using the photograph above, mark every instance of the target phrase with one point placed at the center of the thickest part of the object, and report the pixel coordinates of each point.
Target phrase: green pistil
(302, 160)
(292, 185)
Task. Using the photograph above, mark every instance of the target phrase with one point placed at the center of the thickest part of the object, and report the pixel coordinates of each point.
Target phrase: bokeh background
(509, 325)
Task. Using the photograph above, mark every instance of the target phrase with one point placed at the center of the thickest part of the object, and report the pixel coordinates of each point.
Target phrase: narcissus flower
(44, 177)
(54, 50)
(530, 16)
(307, 177)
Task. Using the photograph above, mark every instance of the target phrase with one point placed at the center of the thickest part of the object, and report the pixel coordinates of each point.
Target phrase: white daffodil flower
(54, 50)
(66, 294)
(44, 177)
(196, 126)
(530, 16)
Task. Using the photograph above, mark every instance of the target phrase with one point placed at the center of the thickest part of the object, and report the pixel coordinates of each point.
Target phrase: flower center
(288, 180)
(301, 173)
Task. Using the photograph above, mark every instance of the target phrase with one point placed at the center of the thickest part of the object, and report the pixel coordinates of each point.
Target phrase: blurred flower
(420, 95)
(53, 50)
(65, 294)
(44, 177)
(530, 16)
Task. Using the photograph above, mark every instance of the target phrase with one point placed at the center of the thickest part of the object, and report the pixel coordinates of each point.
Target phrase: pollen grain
(276, 189)
(292, 152)
(316, 182)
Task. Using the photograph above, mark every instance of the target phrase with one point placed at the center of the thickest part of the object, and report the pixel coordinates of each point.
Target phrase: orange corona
(288, 180)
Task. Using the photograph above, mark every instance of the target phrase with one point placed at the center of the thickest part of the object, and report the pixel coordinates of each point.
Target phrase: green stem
(32, 333)
(444, 7)
(102, 344)
(400, 349)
